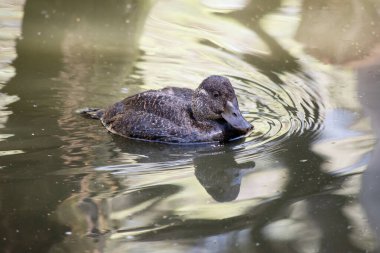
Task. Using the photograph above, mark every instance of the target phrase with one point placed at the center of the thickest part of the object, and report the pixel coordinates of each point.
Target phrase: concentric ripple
(279, 111)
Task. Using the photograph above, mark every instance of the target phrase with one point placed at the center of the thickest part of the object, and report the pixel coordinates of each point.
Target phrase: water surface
(306, 74)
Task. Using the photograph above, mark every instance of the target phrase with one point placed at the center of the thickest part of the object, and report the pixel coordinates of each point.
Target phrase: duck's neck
(198, 107)
(197, 115)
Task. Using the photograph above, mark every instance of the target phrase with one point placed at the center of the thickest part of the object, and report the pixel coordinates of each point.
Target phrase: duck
(210, 113)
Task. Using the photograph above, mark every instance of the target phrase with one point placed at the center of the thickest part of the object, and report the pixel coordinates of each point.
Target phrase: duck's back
(161, 115)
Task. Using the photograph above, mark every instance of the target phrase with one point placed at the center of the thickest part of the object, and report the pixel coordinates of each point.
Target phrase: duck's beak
(233, 116)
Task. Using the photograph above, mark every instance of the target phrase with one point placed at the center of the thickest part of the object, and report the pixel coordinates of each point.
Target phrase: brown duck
(177, 115)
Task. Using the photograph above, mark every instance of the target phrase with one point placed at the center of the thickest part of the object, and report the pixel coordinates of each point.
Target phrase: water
(306, 76)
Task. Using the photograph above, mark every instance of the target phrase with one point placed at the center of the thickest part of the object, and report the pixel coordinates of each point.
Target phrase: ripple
(277, 112)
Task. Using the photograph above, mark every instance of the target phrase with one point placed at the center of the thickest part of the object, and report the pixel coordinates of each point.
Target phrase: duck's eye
(215, 94)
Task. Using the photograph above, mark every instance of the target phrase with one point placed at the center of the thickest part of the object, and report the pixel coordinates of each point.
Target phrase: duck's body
(161, 115)
(177, 115)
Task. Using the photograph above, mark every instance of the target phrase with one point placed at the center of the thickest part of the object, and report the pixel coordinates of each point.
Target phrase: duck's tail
(91, 113)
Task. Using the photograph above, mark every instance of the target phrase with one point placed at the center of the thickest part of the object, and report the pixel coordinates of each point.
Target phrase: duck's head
(215, 99)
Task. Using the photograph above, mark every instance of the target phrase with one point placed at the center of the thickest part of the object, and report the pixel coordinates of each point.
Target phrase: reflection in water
(358, 46)
(369, 90)
(62, 45)
(278, 60)
(353, 37)
(222, 182)
(290, 186)
(91, 211)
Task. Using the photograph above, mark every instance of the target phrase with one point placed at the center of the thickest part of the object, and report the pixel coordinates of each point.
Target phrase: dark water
(307, 75)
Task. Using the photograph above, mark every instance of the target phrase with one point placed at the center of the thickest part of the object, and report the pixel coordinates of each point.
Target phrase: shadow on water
(184, 197)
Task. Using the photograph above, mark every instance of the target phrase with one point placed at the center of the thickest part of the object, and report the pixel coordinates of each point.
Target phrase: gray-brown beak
(233, 116)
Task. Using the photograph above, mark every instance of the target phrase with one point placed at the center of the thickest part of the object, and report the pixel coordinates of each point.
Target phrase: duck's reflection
(215, 166)
(220, 174)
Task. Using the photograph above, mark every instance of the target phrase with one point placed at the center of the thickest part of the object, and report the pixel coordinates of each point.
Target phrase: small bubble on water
(303, 161)
(257, 244)
(68, 233)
